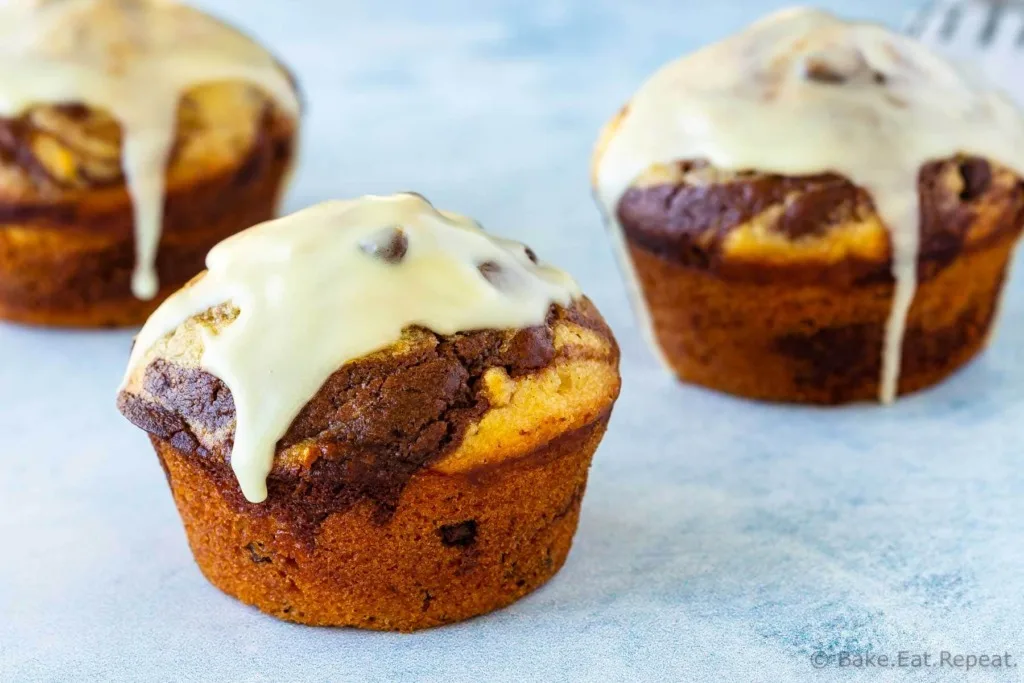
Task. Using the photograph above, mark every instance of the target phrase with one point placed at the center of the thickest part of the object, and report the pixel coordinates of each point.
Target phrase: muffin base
(817, 343)
(458, 545)
(104, 315)
(71, 265)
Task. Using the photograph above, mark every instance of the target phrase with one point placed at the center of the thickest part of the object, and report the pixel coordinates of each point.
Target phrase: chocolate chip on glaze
(388, 245)
(841, 64)
(493, 273)
(821, 71)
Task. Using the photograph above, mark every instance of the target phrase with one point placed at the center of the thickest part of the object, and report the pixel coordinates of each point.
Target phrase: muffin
(814, 211)
(373, 414)
(134, 136)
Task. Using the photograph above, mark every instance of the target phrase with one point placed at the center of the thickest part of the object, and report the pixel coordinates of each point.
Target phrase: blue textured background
(721, 540)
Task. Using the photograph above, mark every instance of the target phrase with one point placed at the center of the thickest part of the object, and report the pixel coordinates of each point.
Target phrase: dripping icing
(333, 283)
(803, 92)
(133, 59)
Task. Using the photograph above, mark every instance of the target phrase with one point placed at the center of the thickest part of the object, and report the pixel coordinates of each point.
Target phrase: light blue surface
(721, 540)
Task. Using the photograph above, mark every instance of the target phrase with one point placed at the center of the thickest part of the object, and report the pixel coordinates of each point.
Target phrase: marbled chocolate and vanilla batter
(359, 272)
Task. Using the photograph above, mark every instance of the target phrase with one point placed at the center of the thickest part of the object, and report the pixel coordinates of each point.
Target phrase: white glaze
(311, 298)
(747, 103)
(133, 59)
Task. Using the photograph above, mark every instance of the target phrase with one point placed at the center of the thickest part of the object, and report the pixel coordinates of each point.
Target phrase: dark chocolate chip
(820, 71)
(837, 64)
(492, 272)
(530, 254)
(257, 558)
(879, 78)
(461, 535)
(388, 245)
(977, 175)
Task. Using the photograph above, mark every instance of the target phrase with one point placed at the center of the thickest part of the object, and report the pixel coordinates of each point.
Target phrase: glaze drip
(801, 93)
(133, 59)
(336, 282)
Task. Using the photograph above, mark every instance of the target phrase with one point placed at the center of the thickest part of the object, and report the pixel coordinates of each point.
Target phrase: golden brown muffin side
(435, 480)
(459, 545)
(66, 223)
(816, 343)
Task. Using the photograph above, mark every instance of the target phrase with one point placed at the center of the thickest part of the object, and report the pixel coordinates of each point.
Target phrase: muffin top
(804, 93)
(129, 93)
(808, 140)
(376, 292)
(804, 109)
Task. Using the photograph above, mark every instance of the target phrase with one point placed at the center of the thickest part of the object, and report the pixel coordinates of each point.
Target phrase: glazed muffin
(816, 229)
(373, 414)
(134, 136)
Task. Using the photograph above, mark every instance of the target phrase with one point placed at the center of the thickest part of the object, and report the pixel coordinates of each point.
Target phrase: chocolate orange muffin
(814, 211)
(134, 136)
(372, 413)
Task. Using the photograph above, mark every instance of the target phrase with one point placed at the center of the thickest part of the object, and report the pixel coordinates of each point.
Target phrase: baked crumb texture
(66, 237)
(779, 288)
(435, 480)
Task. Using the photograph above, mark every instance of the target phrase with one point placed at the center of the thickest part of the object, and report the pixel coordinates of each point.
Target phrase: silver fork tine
(918, 19)
(965, 28)
(1008, 35)
(995, 19)
(986, 37)
(1002, 59)
(976, 18)
(937, 22)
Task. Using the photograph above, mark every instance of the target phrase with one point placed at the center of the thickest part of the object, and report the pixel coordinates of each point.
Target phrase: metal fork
(970, 25)
(989, 33)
